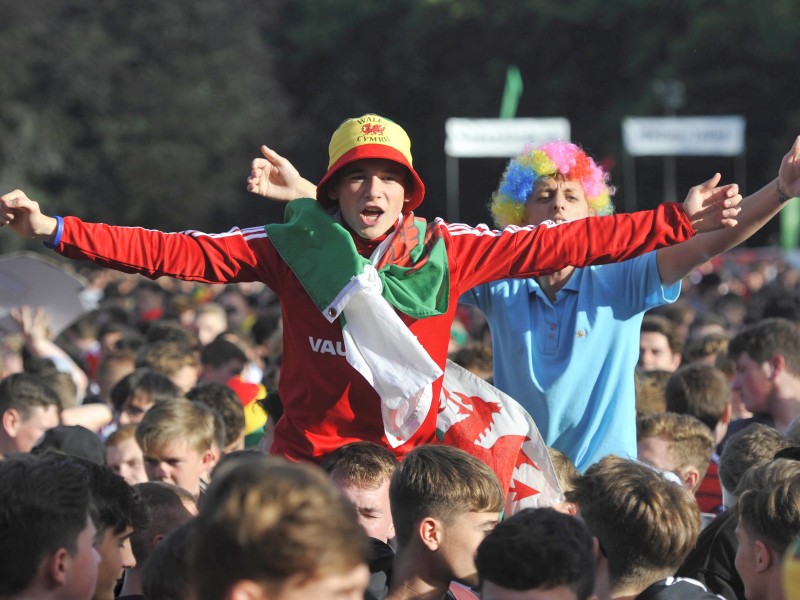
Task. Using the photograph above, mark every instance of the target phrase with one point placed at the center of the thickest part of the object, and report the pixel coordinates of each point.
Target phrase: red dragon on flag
(480, 419)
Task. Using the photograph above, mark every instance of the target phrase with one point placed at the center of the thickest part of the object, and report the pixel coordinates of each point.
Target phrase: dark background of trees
(148, 113)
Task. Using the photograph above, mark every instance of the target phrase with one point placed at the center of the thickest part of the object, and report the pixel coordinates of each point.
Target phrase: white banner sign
(684, 136)
(479, 138)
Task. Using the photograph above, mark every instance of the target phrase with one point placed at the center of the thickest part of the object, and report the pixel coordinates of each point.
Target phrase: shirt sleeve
(480, 254)
(238, 255)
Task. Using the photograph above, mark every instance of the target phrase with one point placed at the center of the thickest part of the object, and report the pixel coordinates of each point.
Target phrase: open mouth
(371, 215)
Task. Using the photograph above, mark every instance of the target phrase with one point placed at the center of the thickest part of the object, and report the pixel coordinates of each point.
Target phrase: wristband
(782, 196)
(59, 233)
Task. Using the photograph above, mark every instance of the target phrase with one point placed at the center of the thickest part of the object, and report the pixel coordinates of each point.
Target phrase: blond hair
(177, 420)
(692, 442)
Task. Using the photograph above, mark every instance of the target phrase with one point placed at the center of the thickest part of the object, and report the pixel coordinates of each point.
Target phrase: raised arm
(25, 218)
(675, 262)
(276, 178)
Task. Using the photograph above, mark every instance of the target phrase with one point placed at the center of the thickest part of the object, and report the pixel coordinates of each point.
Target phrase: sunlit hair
(560, 160)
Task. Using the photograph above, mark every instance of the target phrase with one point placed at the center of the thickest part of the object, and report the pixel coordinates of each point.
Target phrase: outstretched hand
(789, 172)
(710, 207)
(275, 177)
(24, 216)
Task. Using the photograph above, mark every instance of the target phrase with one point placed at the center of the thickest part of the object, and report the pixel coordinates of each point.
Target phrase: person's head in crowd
(171, 331)
(660, 344)
(118, 335)
(556, 181)
(543, 552)
(167, 573)
(733, 308)
(645, 525)
(167, 506)
(650, 385)
(176, 360)
(567, 473)
(779, 302)
(151, 301)
(118, 511)
(275, 529)
(61, 382)
(220, 361)
(113, 366)
(756, 445)
(701, 391)
(680, 444)
(46, 535)
(210, 319)
(177, 439)
(28, 408)
(124, 456)
(476, 358)
(226, 403)
(237, 308)
(769, 519)
(444, 502)
(707, 324)
(138, 392)
(363, 471)
(254, 367)
(767, 358)
(680, 313)
(706, 349)
(73, 440)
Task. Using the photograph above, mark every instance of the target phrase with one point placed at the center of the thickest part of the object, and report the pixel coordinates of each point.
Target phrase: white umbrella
(30, 279)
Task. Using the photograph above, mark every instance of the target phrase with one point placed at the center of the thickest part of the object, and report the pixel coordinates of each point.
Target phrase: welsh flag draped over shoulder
(409, 272)
(480, 419)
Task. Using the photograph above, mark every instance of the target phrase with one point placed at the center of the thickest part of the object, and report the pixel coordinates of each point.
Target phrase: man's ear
(56, 567)
(764, 558)
(777, 364)
(691, 477)
(210, 458)
(332, 191)
(430, 533)
(11, 422)
(245, 589)
(725, 419)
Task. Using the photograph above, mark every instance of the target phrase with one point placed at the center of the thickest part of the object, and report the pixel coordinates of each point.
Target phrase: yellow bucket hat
(370, 136)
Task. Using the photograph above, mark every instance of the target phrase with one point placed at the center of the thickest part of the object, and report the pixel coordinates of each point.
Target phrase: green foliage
(149, 112)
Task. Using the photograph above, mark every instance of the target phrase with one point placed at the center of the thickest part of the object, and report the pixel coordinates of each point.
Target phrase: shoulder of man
(677, 588)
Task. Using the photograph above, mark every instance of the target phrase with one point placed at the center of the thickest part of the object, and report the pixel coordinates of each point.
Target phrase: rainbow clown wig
(561, 160)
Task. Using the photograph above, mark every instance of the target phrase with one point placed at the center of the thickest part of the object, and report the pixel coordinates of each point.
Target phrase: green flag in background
(511, 93)
(790, 225)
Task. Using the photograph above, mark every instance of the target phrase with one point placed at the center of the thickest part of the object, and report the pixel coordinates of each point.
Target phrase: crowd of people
(275, 436)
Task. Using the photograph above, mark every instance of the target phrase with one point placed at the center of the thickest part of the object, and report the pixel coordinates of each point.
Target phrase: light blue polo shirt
(571, 362)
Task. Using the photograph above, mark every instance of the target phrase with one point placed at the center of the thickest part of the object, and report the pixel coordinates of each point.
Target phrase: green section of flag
(790, 225)
(511, 93)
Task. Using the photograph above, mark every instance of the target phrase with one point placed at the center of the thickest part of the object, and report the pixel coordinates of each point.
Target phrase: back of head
(767, 338)
(44, 506)
(179, 420)
(166, 356)
(116, 504)
(362, 464)
(73, 440)
(167, 506)
(146, 383)
(268, 520)
(701, 391)
(226, 403)
(645, 524)
(441, 482)
(167, 573)
(538, 549)
(23, 392)
(748, 448)
(769, 503)
(552, 160)
(221, 351)
(692, 443)
(650, 395)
